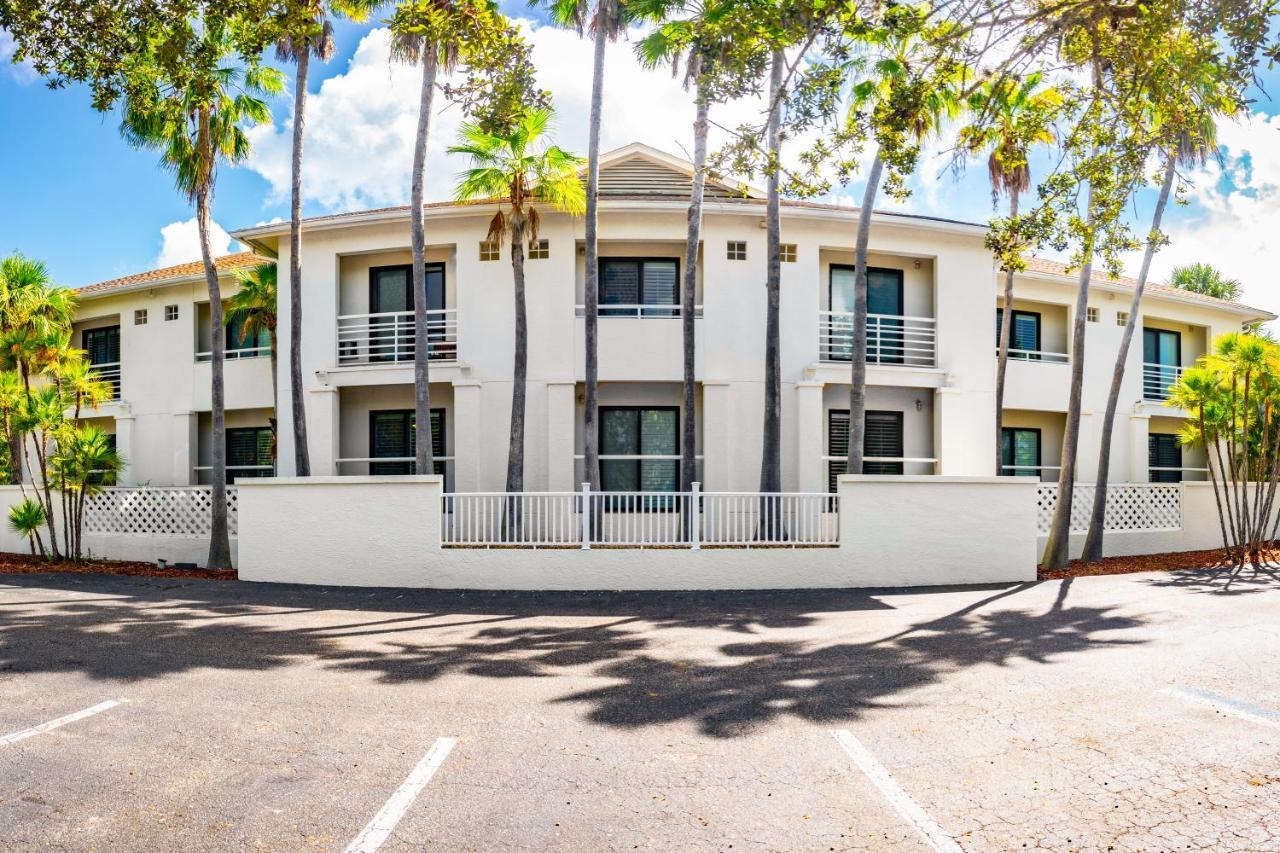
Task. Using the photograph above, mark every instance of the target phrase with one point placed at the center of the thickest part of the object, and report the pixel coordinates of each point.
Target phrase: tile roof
(1046, 266)
(178, 272)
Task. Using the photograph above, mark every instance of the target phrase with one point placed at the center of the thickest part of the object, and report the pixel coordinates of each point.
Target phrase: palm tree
(607, 21)
(84, 461)
(194, 126)
(26, 518)
(253, 306)
(1020, 114)
(308, 32)
(896, 86)
(519, 170)
(1207, 280)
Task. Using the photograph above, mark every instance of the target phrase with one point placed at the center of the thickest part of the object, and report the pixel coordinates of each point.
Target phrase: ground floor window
(645, 442)
(248, 448)
(882, 439)
(1164, 451)
(393, 435)
(1020, 452)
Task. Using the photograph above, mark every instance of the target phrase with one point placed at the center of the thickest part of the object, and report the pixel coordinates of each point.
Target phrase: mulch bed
(1173, 561)
(25, 564)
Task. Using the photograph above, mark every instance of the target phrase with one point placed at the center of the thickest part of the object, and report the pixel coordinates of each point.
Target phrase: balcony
(1157, 379)
(892, 339)
(108, 372)
(388, 337)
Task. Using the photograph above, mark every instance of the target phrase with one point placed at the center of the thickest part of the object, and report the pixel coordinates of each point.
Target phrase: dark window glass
(1163, 451)
(1161, 356)
(238, 342)
(1020, 452)
(391, 291)
(639, 281)
(639, 432)
(1024, 334)
(392, 435)
(102, 345)
(883, 437)
(885, 343)
(248, 446)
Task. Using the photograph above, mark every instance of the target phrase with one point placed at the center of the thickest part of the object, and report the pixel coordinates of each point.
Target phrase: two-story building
(931, 352)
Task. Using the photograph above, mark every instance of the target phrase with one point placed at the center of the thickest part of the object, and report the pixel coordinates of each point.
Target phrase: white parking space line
(1227, 705)
(932, 834)
(384, 822)
(60, 722)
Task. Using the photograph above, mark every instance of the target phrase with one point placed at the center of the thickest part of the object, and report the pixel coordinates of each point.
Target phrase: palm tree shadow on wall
(407, 640)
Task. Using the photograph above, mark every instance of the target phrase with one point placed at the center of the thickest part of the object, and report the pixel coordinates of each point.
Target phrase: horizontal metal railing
(1157, 379)
(388, 336)
(108, 372)
(645, 311)
(892, 339)
(1037, 355)
(692, 519)
(233, 354)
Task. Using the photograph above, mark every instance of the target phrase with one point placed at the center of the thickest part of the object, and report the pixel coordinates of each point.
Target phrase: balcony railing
(1157, 379)
(108, 372)
(234, 354)
(388, 337)
(641, 311)
(1036, 355)
(892, 339)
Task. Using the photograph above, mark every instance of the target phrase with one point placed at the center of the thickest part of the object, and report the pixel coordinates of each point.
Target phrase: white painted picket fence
(639, 519)
(1130, 506)
(152, 511)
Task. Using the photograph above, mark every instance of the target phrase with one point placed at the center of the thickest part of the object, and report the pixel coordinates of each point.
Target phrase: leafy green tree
(1206, 280)
(520, 171)
(196, 123)
(254, 307)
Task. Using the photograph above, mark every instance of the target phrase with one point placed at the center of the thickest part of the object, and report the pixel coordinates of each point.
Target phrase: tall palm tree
(1018, 115)
(195, 126)
(253, 306)
(607, 19)
(308, 32)
(519, 170)
(893, 84)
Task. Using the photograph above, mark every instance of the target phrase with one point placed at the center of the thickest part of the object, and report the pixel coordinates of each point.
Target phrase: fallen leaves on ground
(25, 564)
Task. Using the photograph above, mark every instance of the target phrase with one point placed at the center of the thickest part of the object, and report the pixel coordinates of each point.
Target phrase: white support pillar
(124, 447)
(466, 436)
(717, 437)
(186, 443)
(810, 445)
(323, 429)
(1139, 430)
(561, 418)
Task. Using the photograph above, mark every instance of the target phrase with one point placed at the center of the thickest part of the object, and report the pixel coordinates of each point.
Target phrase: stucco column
(956, 428)
(124, 447)
(322, 430)
(809, 443)
(185, 444)
(1139, 429)
(717, 444)
(561, 414)
(466, 436)
(1087, 448)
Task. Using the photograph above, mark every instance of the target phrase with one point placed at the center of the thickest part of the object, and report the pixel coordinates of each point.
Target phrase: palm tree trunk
(1093, 539)
(1057, 550)
(689, 296)
(219, 539)
(423, 462)
(1002, 356)
(771, 449)
(15, 455)
(275, 395)
(591, 279)
(858, 346)
(301, 454)
(520, 370)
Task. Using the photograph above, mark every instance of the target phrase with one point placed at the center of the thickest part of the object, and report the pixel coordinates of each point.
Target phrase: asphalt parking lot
(1124, 713)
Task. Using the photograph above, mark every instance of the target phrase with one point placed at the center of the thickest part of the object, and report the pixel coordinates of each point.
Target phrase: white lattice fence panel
(1130, 506)
(148, 511)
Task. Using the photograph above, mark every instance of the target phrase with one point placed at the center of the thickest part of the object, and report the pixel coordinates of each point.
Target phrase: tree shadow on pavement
(1223, 581)
(664, 657)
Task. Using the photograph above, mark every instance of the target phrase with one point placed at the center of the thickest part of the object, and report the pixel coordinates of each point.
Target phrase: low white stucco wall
(385, 531)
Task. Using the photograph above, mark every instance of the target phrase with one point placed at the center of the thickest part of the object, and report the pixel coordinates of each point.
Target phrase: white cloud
(361, 123)
(20, 71)
(1234, 212)
(180, 243)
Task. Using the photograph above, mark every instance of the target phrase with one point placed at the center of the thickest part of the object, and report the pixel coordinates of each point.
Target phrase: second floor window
(639, 287)
(1024, 334)
(242, 345)
(102, 345)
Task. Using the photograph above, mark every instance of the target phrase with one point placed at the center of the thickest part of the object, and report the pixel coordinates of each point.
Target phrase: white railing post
(586, 516)
(695, 535)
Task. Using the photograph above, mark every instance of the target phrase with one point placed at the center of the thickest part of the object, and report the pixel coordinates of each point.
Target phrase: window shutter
(837, 445)
(620, 282)
(883, 438)
(660, 287)
(1163, 451)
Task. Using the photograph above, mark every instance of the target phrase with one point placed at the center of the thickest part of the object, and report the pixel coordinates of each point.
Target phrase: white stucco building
(931, 381)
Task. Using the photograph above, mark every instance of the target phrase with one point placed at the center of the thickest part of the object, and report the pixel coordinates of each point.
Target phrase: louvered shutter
(837, 445)
(883, 438)
(1163, 451)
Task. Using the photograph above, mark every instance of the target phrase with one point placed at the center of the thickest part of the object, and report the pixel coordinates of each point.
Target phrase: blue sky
(78, 197)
